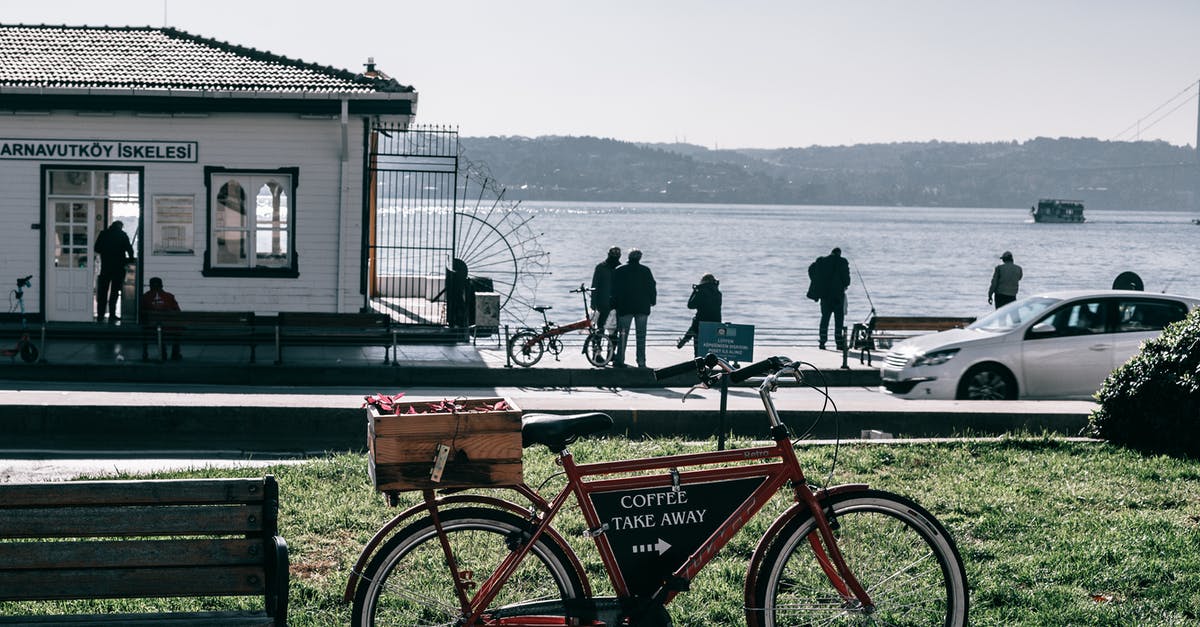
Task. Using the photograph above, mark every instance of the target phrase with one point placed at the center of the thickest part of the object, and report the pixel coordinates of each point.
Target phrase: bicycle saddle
(542, 308)
(557, 431)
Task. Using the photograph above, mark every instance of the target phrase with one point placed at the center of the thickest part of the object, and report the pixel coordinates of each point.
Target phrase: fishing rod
(864, 286)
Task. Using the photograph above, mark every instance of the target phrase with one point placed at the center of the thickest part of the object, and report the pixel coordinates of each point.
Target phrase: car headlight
(936, 358)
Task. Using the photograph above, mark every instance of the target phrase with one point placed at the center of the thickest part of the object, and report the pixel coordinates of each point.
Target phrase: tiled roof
(162, 58)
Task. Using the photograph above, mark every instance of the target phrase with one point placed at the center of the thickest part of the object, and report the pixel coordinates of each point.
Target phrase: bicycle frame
(549, 331)
(773, 467)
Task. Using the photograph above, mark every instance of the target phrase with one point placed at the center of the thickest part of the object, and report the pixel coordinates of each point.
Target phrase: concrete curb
(379, 376)
(299, 429)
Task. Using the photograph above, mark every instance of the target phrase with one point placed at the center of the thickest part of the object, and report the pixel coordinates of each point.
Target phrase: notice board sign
(731, 342)
(173, 220)
(653, 530)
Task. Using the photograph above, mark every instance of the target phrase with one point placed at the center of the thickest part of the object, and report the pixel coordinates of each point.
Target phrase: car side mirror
(1043, 328)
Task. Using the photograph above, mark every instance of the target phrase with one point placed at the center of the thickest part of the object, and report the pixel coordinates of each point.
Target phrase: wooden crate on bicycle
(482, 437)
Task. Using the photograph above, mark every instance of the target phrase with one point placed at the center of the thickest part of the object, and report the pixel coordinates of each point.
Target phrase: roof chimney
(370, 65)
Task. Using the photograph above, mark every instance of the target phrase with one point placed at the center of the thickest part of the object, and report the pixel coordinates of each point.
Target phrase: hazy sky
(733, 73)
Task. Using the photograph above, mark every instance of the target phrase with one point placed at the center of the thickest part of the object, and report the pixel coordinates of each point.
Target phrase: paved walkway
(100, 401)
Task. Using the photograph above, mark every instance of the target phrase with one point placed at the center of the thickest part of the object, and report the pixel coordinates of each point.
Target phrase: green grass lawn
(1051, 532)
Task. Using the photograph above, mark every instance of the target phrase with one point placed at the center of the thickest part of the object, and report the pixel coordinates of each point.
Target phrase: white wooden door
(70, 280)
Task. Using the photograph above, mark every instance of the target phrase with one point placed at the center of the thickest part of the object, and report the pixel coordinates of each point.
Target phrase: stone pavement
(97, 401)
(483, 363)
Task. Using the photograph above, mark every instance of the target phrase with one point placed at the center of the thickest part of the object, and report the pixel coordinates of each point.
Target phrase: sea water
(916, 261)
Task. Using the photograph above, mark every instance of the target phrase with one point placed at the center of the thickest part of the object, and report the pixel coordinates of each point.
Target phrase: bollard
(724, 407)
(845, 350)
(507, 353)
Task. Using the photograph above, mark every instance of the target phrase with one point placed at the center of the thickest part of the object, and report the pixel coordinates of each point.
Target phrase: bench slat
(130, 521)
(290, 319)
(145, 492)
(210, 327)
(197, 318)
(114, 583)
(131, 554)
(183, 619)
(301, 328)
(188, 561)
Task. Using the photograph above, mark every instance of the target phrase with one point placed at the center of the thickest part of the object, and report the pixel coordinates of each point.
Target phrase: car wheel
(987, 383)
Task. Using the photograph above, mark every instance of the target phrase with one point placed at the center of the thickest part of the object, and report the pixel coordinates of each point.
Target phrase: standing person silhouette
(1006, 280)
(634, 293)
(706, 300)
(830, 276)
(114, 249)
(602, 278)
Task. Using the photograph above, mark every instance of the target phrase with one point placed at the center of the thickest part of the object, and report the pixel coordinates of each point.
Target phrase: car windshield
(1013, 315)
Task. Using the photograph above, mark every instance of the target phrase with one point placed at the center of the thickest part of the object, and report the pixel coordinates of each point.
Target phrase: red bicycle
(526, 346)
(841, 555)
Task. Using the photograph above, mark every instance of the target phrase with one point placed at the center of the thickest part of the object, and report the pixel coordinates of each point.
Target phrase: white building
(241, 175)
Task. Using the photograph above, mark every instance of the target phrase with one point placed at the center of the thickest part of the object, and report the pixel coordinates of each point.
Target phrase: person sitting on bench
(158, 299)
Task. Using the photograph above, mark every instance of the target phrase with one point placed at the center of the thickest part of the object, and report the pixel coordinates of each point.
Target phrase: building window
(251, 218)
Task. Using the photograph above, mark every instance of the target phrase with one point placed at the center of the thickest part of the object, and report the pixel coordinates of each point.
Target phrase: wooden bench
(144, 539)
(297, 328)
(881, 331)
(207, 327)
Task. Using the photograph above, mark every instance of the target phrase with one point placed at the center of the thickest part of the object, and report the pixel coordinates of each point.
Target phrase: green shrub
(1152, 403)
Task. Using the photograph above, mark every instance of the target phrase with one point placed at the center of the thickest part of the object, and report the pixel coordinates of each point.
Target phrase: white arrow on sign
(659, 547)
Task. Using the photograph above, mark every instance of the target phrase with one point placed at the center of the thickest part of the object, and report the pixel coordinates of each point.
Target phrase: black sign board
(653, 530)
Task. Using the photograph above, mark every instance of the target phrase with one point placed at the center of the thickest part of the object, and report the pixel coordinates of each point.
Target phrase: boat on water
(1054, 210)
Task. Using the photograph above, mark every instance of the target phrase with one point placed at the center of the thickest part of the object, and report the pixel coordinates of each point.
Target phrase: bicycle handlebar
(24, 281)
(697, 365)
(758, 368)
(703, 366)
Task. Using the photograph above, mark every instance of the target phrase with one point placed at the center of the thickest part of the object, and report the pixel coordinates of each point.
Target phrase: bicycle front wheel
(525, 348)
(409, 582)
(598, 348)
(899, 552)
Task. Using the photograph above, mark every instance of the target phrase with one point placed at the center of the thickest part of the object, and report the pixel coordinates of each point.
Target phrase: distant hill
(1103, 174)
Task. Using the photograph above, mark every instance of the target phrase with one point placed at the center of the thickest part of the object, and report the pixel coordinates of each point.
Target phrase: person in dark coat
(114, 249)
(706, 300)
(634, 292)
(602, 286)
(830, 276)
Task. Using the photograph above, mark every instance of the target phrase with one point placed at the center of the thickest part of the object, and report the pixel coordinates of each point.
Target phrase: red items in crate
(392, 405)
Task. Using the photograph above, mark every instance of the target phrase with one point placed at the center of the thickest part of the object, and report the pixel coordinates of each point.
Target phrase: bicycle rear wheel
(598, 348)
(898, 551)
(525, 349)
(409, 583)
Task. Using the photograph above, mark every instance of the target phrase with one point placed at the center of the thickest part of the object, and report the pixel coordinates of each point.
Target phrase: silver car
(1053, 345)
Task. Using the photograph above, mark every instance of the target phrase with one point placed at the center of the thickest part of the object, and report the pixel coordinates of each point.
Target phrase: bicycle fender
(797, 510)
(456, 500)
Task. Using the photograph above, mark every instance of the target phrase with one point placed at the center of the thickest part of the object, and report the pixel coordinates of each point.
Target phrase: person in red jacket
(158, 299)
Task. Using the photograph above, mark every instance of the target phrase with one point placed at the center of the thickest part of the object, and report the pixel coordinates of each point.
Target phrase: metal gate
(412, 183)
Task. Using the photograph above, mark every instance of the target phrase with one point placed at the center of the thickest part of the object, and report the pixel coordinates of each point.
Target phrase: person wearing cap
(1005, 280)
(602, 286)
(706, 300)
